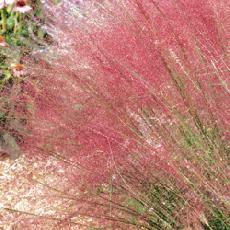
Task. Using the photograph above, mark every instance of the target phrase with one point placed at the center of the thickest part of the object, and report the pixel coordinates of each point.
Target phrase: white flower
(4, 3)
(21, 6)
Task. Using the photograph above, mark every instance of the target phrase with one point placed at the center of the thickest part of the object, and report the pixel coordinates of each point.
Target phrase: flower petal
(23, 9)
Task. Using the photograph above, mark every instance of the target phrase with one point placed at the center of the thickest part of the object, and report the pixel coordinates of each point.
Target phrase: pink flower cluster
(19, 5)
(137, 93)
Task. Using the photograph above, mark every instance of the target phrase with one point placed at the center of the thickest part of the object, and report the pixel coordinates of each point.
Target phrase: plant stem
(4, 24)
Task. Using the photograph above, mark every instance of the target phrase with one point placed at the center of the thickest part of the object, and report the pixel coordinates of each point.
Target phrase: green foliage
(218, 221)
(136, 205)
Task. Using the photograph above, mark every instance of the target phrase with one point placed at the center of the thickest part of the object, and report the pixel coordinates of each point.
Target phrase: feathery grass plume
(134, 96)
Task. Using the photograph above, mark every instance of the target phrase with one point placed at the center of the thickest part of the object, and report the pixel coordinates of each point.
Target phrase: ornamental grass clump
(133, 96)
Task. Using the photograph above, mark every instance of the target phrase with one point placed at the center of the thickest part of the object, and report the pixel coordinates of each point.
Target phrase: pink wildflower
(18, 70)
(21, 6)
(3, 42)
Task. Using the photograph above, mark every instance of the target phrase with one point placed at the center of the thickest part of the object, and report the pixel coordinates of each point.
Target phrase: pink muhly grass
(134, 95)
